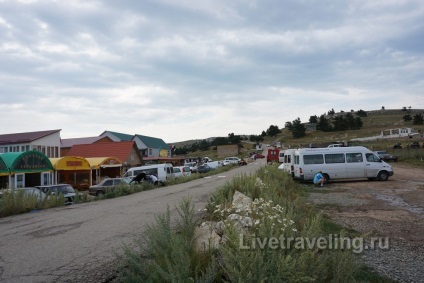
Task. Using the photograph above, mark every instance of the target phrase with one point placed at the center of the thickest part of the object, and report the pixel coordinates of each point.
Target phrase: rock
(219, 228)
(206, 237)
(241, 201)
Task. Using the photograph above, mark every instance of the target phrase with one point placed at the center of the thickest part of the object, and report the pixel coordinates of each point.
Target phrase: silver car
(107, 184)
(29, 191)
(66, 190)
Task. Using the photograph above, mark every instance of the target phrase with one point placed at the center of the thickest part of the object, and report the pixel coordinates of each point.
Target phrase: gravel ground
(391, 211)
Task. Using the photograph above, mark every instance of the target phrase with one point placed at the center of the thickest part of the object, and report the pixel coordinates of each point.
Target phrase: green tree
(361, 113)
(324, 124)
(340, 124)
(297, 128)
(407, 117)
(234, 139)
(418, 119)
(204, 145)
(220, 141)
(255, 138)
(273, 131)
(313, 119)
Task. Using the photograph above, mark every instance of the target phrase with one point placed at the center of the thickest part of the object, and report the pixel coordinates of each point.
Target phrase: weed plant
(17, 202)
(168, 252)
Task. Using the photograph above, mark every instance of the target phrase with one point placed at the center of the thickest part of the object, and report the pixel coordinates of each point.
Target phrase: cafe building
(26, 169)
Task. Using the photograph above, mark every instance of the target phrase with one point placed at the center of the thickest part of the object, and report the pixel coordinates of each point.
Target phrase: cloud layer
(183, 70)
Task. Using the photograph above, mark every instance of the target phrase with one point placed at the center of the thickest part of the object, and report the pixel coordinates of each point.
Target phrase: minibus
(163, 172)
(340, 163)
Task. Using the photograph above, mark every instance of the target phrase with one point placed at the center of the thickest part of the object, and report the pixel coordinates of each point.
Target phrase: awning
(103, 162)
(70, 163)
(27, 162)
(4, 171)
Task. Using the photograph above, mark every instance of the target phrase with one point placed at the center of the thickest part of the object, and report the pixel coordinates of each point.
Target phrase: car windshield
(63, 189)
(126, 180)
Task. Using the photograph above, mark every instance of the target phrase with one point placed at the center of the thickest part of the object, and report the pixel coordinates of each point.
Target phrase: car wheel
(383, 176)
(100, 193)
(327, 178)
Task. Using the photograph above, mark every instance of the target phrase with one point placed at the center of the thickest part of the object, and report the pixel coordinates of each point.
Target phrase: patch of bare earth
(392, 210)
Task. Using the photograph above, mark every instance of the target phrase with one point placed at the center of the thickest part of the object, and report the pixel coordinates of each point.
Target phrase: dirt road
(80, 243)
(393, 209)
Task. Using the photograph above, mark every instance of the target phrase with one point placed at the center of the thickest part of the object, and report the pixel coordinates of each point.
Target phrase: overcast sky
(181, 69)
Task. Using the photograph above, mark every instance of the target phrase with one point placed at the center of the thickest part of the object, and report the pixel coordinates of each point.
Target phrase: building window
(150, 152)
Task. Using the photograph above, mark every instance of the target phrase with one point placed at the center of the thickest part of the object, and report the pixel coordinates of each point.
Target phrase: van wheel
(327, 178)
(100, 193)
(383, 176)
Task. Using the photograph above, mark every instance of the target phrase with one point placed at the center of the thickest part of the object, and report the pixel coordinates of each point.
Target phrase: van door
(355, 166)
(372, 165)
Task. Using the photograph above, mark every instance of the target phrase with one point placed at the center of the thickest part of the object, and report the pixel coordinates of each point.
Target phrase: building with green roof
(25, 169)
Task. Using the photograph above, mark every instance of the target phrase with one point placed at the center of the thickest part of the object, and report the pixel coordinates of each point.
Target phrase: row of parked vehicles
(335, 163)
(155, 174)
(44, 192)
(161, 172)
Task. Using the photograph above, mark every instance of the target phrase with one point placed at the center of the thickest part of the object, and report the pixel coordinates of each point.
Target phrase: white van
(288, 161)
(164, 171)
(231, 160)
(180, 171)
(281, 156)
(340, 163)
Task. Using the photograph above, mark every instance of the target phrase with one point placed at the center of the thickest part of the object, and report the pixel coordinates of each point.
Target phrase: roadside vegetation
(167, 251)
(16, 202)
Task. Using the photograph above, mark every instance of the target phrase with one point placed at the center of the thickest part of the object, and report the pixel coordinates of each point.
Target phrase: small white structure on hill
(390, 133)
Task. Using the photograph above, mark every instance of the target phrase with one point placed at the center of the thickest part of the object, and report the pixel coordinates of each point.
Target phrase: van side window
(354, 157)
(313, 159)
(334, 158)
(372, 158)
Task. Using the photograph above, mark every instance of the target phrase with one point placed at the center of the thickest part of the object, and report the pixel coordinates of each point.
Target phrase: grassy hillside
(373, 124)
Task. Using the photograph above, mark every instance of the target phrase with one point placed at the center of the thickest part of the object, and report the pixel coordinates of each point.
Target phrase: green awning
(4, 171)
(27, 162)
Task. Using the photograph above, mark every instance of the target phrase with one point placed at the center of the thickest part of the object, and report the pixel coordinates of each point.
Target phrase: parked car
(203, 168)
(186, 170)
(107, 184)
(191, 165)
(231, 160)
(242, 162)
(384, 155)
(258, 156)
(66, 190)
(414, 145)
(397, 146)
(180, 171)
(29, 191)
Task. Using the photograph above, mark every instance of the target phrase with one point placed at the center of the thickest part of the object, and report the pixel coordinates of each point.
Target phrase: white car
(231, 160)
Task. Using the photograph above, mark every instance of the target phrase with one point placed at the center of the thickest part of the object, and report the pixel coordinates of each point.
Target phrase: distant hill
(375, 122)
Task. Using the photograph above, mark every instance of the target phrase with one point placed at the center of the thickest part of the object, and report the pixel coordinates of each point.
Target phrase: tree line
(327, 122)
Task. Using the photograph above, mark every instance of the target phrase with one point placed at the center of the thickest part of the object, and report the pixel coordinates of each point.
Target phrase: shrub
(168, 253)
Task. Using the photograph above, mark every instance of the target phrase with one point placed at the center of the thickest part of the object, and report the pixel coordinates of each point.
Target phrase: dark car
(414, 145)
(108, 184)
(397, 146)
(384, 155)
(203, 168)
(66, 190)
(258, 156)
(242, 162)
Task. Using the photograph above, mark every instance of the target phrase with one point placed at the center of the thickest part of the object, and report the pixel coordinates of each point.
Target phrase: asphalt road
(81, 243)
